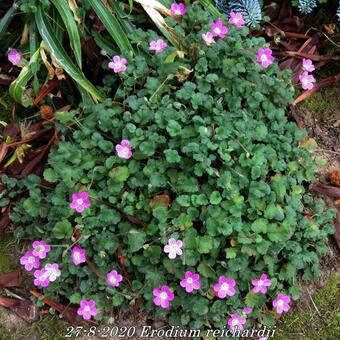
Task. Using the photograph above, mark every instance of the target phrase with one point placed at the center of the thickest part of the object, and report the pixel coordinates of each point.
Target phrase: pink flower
(190, 282)
(113, 278)
(236, 19)
(163, 296)
(208, 38)
(52, 271)
(281, 303)
(41, 278)
(306, 80)
(174, 248)
(29, 261)
(40, 249)
(218, 29)
(264, 57)
(307, 65)
(261, 284)
(80, 201)
(118, 64)
(124, 149)
(78, 255)
(224, 287)
(178, 9)
(263, 338)
(87, 309)
(157, 45)
(247, 310)
(236, 322)
(15, 57)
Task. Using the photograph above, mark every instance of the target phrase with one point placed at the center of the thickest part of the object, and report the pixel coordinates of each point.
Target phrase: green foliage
(208, 131)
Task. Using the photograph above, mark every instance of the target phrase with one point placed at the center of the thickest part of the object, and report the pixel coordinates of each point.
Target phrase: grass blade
(112, 24)
(104, 44)
(129, 28)
(211, 8)
(62, 57)
(33, 44)
(7, 18)
(18, 86)
(71, 27)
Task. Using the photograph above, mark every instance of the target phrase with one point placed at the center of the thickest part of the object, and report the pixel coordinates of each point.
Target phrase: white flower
(52, 271)
(173, 248)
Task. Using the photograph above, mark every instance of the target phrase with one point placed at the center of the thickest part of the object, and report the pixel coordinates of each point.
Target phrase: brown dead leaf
(11, 279)
(329, 28)
(45, 90)
(46, 111)
(326, 189)
(334, 177)
(68, 312)
(162, 201)
(76, 235)
(337, 230)
(23, 308)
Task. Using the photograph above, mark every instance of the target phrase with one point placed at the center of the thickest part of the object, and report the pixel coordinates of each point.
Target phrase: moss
(308, 325)
(6, 261)
(6, 103)
(48, 328)
(324, 103)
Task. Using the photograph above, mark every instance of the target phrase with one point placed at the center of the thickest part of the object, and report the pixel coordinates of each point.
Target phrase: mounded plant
(193, 167)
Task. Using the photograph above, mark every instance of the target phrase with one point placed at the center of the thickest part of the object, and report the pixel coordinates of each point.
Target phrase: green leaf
(260, 225)
(274, 212)
(111, 24)
(268, 320)
(61, 56)
(32, 207)
(206, 270)
(66, 14)
(215, 197)
(119, 174)
(279, 184)
(204, 244)
(62, 229)
(231, 253)
(64, 116)
(7, 18)
(173, 128)
(172, 156)
(201, 306)
(183, 200)
(50, 175)
(117, 299)
(254, 299)
(19, 86)
(153, 253)
(75, 298)
(136, 240)
(263, 247)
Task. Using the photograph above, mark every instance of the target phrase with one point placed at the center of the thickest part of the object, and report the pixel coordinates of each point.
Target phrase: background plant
(251, 9)
(215, 164)
(54, 33)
